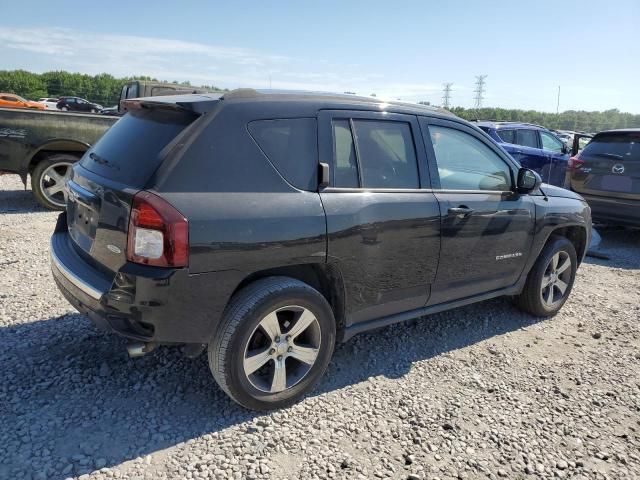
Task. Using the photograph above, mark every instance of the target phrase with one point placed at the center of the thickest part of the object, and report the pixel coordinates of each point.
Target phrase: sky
(400, 50)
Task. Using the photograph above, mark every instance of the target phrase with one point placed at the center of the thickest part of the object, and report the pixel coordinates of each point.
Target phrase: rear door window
(292, 147)
(527, 138)
(130, 151)
(508, 136)
(386, 154)
(345, 173)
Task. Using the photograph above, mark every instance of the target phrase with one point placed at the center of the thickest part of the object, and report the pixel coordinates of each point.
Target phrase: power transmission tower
(479, 91)
(446, 97)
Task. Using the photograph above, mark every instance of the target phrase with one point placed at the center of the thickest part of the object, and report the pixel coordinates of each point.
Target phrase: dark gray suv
(607, 174)
(265, 227)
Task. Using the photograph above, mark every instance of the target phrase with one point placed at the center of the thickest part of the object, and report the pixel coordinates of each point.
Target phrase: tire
(532, 298)
(241, 327)
(65, 109)
(55, 201)
(93, 110)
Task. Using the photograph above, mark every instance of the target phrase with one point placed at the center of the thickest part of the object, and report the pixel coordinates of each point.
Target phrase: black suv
(77, 104)
(607, 173)
(267, 226)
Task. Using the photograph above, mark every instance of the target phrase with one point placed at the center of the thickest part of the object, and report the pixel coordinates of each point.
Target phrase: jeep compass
(266, 226)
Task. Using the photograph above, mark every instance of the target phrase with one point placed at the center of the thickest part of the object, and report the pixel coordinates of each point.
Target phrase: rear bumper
(142, 303)
(617, 211)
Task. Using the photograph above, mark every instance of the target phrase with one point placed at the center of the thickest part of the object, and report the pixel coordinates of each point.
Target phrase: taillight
(158, 233)
(574, 163)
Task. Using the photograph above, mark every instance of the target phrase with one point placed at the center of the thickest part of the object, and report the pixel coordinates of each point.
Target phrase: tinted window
(291, 145)
(508, 136)
(551, 143)
(129, 151)
(622, 146)
(132, 91)
(345, 167)
(527, 138)
(386, 154)
(465, 163)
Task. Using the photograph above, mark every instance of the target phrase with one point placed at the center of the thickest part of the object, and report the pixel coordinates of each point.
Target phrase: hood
(553, 191)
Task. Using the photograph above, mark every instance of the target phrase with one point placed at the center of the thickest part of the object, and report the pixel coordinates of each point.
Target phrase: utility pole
(558, 104)
(446, 97)
(479, 91)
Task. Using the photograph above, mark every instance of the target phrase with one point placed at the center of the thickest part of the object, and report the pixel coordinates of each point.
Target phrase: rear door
(383, 221)
(103, 183)
(486, 226)
(609, 166)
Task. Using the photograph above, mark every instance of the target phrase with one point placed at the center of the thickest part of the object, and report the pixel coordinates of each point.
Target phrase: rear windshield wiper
(611, 155)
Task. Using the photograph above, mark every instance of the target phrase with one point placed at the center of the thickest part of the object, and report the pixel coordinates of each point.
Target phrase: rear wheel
(48, 180)
(65, 109)
(274, 343)
(551, 279)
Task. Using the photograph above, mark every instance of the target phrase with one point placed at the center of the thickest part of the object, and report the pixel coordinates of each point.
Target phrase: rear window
(615, 145)
(291, 146)
(130, 150)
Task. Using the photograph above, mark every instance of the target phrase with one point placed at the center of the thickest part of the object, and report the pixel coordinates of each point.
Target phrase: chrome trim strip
(72, 277)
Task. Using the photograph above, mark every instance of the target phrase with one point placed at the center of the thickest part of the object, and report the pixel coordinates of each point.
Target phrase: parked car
(607, 174)
(44, 144)
(110, 111)
(265, 226)
(10, 100)
(533, 147)
(77, 104)
(49, 103)
(144, 88)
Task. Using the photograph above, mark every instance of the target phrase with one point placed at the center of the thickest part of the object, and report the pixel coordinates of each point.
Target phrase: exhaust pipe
(138, 349)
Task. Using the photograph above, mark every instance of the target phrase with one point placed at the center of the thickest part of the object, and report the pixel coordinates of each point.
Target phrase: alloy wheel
(282, 349)
(556, 279)
(53, 182)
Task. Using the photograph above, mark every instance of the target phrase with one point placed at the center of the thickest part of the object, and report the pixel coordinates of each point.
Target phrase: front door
(486, 226)
(383, 222)
(555, 151)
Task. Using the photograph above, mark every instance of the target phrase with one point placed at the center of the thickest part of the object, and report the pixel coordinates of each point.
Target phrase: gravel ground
(479, 392)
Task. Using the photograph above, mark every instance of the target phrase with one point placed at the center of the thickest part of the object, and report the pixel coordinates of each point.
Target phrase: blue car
(533, 147)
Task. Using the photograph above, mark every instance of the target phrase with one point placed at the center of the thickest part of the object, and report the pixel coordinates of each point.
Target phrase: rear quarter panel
(242, 214)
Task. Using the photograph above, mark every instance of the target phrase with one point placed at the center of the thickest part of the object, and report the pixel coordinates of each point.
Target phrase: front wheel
(48, 180)
(274, 343)
(551, 279)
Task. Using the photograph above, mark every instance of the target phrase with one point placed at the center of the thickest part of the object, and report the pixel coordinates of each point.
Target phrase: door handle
(461, 211)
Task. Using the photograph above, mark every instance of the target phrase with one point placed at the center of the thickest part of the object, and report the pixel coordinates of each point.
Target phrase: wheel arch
(576, 234)
(327, 279)
(52, 147)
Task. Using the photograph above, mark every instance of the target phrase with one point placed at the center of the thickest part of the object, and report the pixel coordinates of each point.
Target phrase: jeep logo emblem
(617, 168)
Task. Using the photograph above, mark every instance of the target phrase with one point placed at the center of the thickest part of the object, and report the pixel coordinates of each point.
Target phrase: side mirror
(565, 149)
(528, 180)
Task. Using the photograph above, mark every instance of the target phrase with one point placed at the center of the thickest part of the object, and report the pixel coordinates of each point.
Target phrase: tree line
(105, 90)
(102, 88)
(575, 120)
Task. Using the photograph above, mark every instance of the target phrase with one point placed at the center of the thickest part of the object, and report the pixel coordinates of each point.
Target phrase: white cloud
(40, 49)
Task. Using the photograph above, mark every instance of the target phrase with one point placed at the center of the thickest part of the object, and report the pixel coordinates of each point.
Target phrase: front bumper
(148, 304)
